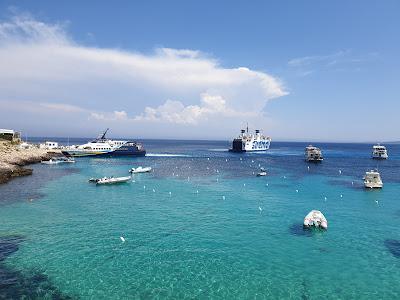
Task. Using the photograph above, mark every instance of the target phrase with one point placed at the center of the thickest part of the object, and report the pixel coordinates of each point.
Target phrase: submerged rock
(393, 246)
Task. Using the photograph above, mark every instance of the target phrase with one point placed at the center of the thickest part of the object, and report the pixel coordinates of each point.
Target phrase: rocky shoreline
(13, 159)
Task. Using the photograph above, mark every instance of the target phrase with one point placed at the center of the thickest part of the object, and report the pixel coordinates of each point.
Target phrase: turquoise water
(202, 225)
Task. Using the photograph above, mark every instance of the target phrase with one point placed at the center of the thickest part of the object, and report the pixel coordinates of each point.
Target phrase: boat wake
(166, 155)
(219, 150)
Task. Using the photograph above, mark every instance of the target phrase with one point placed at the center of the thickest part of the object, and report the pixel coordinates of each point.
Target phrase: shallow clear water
(202, 225)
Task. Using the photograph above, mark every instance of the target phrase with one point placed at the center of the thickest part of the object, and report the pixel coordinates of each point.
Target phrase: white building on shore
(49, 145)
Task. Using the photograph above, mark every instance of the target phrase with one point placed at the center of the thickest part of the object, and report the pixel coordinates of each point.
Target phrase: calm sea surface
(202, 225)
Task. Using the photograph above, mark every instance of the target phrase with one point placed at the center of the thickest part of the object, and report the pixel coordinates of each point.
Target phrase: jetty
(13, 158)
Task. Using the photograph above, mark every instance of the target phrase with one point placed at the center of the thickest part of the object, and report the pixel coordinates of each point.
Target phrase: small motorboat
(315, 218)
(58, 160)
(372, 179)
(262, 172)
(140, 170)
(94, 180)
(112, 180)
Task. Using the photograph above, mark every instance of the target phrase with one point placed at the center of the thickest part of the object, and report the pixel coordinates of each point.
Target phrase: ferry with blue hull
(106, 147)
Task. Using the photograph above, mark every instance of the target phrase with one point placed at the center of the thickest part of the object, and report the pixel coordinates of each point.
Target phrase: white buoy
(260, 208)
(188, 178)
(252, 161)
(154, 190)
(376, 201)
(267, 184)
(144, 187)
(170, 193)
(226, 160)
(259, 165)
(197, 191)
(208, 158)
(341, 196)
(122, 239)
(297, 191)
(284, 177)
(352, 183)
(208, 168)
(217, 179)
(173, 174)
(244, 184)
(223, 197)
(240, 158)
(308, 168)
(340, 171)
(325, 198)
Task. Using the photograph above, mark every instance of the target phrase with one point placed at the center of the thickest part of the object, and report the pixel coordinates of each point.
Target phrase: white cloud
(41, 64)
(343, 60)
(62, 107)
(176, 112)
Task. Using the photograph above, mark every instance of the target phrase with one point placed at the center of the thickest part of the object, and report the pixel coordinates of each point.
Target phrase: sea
(202, 225)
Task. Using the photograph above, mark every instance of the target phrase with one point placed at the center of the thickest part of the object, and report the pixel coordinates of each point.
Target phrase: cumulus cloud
(41, 64)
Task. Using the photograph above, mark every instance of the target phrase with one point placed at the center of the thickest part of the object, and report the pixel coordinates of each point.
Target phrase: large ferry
(247, 142)
(106, 147)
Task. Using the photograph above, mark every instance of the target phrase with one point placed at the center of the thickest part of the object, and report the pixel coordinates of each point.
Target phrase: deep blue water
(202, 225)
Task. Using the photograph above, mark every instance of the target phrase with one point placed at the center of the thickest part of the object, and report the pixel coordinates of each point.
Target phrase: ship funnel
(242, 131)
(257, 131)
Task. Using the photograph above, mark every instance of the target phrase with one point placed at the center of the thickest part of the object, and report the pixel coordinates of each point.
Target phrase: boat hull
(115, 153)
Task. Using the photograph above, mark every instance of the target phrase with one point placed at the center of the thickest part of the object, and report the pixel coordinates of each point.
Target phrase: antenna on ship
(103, 136)
(247, 127)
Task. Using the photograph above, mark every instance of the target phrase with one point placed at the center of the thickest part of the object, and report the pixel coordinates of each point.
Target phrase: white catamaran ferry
(105, 147)
(247, 142)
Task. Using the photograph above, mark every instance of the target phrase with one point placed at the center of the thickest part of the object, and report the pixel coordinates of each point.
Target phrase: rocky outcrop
(13, 159)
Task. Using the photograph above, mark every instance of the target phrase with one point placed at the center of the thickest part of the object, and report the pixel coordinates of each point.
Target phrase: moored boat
(372, 179)
(113, 180)
(140, 170)
(59, 160)
(313, 154)
(379, 152)
(262, 172)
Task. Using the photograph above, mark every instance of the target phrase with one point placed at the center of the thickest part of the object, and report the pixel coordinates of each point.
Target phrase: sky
(297, 70)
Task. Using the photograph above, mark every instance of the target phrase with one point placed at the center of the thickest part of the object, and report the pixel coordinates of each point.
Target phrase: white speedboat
(112, 180)
(56, 161)
(140, 170)
(313, 154)
(262, 172)
(372, 179)
(379, 152)
(315, 218)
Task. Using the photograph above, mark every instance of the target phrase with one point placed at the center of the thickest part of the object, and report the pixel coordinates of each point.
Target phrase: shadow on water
(393, 247)
(297, 229)
(30, 285)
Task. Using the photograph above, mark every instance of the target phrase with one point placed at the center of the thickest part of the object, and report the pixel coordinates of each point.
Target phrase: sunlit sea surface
(202, 225)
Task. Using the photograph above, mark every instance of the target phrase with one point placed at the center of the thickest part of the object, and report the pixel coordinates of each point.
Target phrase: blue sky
(300, 70)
